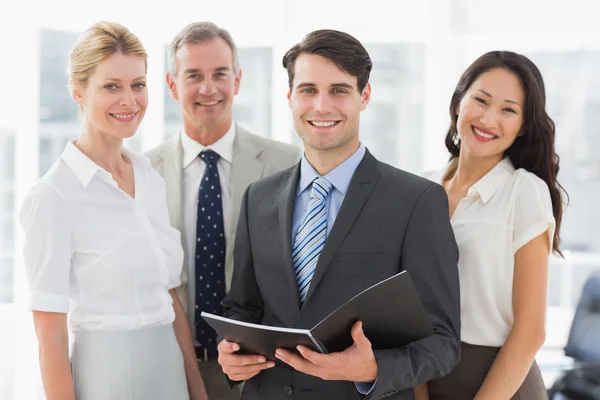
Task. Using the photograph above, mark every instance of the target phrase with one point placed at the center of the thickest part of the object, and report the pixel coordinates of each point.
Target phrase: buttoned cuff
(365, 388)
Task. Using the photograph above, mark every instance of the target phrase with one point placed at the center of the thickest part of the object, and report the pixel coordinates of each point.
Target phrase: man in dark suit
(313, 236)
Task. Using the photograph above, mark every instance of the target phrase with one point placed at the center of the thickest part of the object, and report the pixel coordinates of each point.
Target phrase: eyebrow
(139, 78)
(310, 84)
(196, 70)
(508, 101)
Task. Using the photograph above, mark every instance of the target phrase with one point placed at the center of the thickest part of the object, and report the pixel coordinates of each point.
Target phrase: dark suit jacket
(390, 221)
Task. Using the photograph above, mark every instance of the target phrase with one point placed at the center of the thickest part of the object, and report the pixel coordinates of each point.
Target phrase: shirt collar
(84, 168)
(339, 177)
(490, 182)
(80, 164)
(487, 185)
(223, 147)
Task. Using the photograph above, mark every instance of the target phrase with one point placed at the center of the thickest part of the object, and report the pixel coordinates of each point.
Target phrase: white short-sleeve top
(501, 213)
(96, 253)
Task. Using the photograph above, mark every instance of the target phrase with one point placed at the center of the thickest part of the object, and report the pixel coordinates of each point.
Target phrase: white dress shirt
(193, 170)
(95, 252)
(501, 213)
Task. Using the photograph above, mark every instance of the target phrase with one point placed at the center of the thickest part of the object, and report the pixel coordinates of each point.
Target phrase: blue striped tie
(311, 235)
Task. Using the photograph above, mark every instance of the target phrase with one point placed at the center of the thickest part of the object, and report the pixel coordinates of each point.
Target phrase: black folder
(391, 312)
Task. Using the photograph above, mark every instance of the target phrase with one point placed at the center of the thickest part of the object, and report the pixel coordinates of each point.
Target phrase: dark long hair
(533, 149)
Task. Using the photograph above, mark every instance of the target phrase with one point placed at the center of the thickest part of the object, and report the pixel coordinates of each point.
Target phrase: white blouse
(501, 213)
(96, 253)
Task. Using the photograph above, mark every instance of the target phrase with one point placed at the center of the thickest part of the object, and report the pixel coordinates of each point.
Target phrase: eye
(339, 91)
(110, 87)
(192, 76)
(140, 85)
(510, 110)
(307, 90)
(221, 74)
(480, 100)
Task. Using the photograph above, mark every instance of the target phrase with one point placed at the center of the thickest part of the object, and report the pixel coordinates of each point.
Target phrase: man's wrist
(370, 374)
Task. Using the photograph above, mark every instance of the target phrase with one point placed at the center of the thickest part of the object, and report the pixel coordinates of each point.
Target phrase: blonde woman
(101, 258)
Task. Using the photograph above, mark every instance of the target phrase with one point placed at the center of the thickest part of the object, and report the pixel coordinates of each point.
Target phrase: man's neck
(206, 135)
(325, 161)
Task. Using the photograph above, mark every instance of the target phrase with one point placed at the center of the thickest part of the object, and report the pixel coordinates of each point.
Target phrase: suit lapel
(246, 168)
(170, 169)
(361, 186)
(286, 210)
(173, 175)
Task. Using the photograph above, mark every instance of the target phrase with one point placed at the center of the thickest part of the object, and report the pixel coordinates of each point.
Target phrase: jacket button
(288, 390)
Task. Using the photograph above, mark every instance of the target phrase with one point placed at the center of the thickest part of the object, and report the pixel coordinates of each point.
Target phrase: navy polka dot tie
(210, 252)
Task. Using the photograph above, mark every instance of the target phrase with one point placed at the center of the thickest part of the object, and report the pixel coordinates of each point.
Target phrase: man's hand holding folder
(240, 367)
(356, 364)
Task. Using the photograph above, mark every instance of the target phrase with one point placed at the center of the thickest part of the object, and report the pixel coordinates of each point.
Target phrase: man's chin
(203, 120)
(328, 146)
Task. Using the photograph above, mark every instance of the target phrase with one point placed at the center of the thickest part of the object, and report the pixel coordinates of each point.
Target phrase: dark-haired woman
(505, 208)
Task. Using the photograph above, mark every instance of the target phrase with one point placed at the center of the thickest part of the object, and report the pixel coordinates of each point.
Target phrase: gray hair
(200, 32)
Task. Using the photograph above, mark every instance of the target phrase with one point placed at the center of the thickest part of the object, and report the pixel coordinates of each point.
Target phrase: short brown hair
(345, 51)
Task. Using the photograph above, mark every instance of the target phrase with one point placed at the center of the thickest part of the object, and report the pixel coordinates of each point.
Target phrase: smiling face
(205, 85)
(326, 105)
(490, 115)
(115, 98)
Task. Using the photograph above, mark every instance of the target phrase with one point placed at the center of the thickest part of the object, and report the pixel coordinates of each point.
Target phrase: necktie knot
(209, 157)
(320, 188)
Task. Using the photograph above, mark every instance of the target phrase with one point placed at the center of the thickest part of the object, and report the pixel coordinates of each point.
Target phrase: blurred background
(419, 49)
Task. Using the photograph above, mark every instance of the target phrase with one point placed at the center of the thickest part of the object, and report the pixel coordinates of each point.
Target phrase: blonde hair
(96, 44)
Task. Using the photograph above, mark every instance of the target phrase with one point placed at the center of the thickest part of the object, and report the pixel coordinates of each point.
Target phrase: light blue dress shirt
(340, 178)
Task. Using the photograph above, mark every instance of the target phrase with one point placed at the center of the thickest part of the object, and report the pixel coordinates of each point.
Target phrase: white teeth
(483, 134)
(208, 103)
(327, 123)
(123, 116)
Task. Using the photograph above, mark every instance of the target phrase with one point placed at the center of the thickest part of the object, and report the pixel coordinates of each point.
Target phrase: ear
(172, 85)
(77, 95)
(289, 97)
(457, 110)
(365, 96)
(238, 80)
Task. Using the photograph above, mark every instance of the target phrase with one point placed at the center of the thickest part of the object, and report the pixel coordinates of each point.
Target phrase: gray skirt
(142, 364)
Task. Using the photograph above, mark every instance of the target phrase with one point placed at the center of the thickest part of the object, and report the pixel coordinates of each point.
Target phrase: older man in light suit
(206, 169)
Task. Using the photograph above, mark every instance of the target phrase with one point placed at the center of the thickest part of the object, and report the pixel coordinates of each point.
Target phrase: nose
(207, 87)
(128, 99)
(323, 104)
(489, 119)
